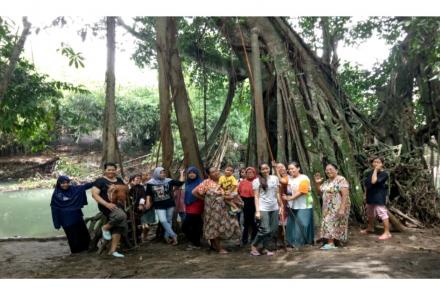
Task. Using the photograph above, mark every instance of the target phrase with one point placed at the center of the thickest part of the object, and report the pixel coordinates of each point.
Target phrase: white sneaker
(117, 254)
(106, 235)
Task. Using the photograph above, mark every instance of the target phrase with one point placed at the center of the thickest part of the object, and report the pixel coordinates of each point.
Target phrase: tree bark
(110, 151)
(180, 99)
(13, 59)
(165, 104)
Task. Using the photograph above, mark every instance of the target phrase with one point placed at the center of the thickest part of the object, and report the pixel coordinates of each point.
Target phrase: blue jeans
(166, 219)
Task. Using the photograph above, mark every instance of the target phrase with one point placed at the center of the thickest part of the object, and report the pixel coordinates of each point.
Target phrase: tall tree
(6, 71)
(110, 150)
(181, 100)
(165, 104)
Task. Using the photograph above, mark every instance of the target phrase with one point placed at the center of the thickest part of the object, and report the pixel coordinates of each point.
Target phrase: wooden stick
(406, 217)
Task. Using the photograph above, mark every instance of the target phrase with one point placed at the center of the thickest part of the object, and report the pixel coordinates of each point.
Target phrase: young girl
(376, 193)
(137, 196)
(267, 206)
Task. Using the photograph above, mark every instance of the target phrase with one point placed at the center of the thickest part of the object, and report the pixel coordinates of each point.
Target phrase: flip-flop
(364, 231)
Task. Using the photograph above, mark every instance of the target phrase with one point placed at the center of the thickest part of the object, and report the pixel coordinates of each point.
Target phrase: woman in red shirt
(193, 222)
(247, 195)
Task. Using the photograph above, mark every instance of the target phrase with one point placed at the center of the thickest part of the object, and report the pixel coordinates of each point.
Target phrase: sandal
(268, 253)
(255, 253)
(365, 231)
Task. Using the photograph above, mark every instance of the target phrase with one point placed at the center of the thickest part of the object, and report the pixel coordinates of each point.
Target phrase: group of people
(254, 208)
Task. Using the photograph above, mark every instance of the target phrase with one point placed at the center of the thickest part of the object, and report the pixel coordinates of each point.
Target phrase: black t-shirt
(376, 193)
(162, 195)
(103, 184)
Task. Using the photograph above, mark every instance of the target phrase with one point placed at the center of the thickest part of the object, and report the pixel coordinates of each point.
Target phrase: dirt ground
(413, 254)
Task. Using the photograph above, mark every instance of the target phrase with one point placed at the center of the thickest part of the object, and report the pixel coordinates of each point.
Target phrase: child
(376, 192)
(229, 185)
(146, 175)
(137, 195)
(148, 217)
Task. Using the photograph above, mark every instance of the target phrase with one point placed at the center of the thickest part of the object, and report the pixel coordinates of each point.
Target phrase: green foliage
(137, 114)
(81, 113)
(145, 54)
(66, 165)
(361, 86)
(75, 58)
(138, 117)
(30, 106)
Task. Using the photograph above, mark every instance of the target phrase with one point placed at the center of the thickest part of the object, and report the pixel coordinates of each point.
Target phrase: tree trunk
(281, 137)
(180, 99)
(260, 124)
(110, 151)
(165, 104)
(13, 59)
(316, 120)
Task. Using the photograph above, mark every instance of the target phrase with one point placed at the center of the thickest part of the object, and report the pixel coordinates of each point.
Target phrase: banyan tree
(300, 109)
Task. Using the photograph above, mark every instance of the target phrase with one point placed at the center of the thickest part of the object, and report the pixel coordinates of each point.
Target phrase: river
(28, 214)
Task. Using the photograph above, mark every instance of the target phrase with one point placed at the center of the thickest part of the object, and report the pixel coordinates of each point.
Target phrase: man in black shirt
(117, 219)
(376, 191)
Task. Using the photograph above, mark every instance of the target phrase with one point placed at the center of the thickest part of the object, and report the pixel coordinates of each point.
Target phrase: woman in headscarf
(193, 223)
(160, 191)
(67, 201)
(217, 223)
(246, 193)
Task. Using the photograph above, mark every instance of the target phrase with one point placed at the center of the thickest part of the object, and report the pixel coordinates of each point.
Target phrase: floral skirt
(334, 226)
(217, 223)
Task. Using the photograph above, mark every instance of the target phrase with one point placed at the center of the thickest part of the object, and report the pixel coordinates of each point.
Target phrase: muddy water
(28, 214)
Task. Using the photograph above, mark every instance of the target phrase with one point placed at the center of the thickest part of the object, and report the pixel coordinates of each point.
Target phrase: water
(28, 214)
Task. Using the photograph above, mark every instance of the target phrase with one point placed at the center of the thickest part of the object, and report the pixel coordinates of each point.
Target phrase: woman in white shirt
(299, 199)
(267, 207)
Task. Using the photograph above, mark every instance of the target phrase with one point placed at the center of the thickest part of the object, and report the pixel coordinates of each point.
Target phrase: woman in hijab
(160, 191)
(67, 201)
(246, 193)
(193, 223)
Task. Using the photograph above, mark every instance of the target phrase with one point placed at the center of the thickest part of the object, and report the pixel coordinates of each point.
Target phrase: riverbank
(412, 254)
